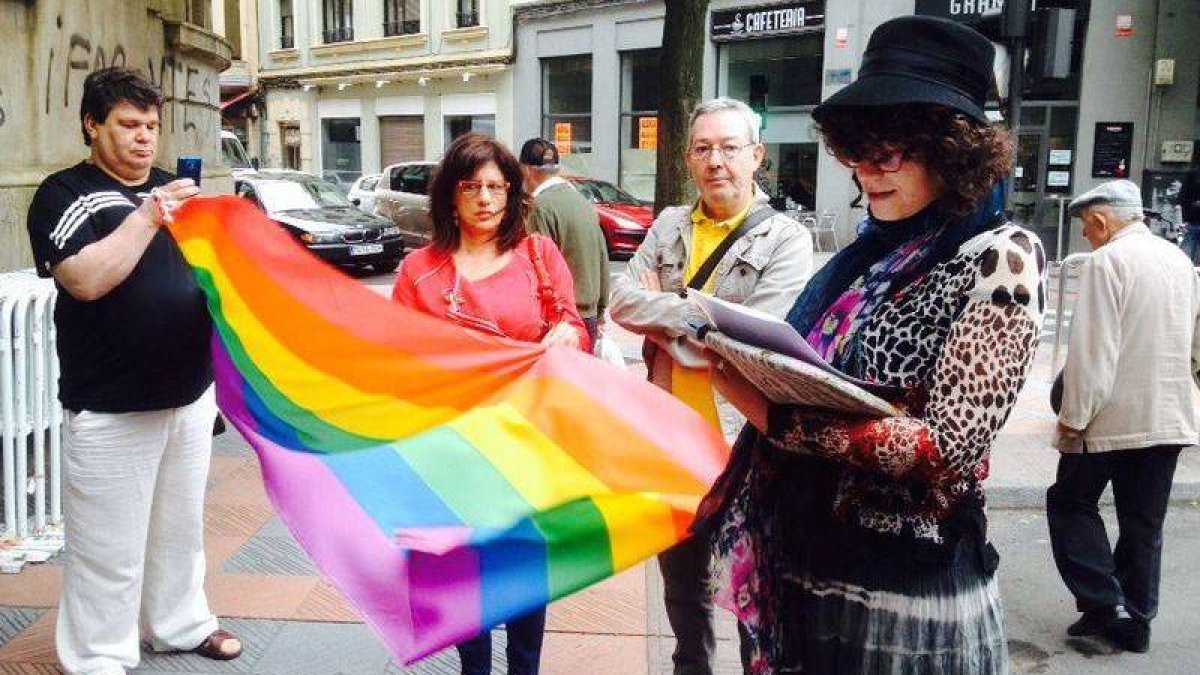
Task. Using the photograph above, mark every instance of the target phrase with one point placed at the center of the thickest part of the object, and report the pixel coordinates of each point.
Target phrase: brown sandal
(213, 646)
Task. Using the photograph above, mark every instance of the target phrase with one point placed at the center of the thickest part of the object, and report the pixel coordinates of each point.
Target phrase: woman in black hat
(859, 545)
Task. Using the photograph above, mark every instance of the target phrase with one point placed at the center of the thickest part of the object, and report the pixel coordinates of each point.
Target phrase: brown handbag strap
(552, 305)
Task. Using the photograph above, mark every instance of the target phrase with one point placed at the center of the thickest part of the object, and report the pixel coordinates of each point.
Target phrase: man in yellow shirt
(765, 265)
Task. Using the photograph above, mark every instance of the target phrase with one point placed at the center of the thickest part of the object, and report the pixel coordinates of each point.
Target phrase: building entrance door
(1043, 173)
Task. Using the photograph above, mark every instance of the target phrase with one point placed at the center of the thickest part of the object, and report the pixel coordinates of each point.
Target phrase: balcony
(393, 28)
(343, 34)
(467, 19)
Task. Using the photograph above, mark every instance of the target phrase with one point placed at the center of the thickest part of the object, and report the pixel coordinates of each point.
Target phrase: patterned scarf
(930, 237)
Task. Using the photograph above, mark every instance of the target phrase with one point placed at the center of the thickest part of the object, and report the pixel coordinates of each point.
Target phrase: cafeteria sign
(768, 20)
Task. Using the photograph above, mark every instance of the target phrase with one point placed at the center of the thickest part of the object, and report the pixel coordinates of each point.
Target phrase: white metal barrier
(1067, 264)
(30, 421)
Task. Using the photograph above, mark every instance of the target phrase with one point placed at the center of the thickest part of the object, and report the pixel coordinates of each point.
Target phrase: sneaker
(1130, 634)
(1093, 622)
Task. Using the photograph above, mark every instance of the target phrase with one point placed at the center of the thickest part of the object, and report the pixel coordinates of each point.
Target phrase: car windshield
(600, 191)
(368, 183)
(289, 195)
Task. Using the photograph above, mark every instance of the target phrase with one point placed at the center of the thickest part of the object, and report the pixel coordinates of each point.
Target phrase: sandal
(213, 646)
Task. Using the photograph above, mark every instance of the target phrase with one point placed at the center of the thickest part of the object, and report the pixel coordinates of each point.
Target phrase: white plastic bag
(607, 349)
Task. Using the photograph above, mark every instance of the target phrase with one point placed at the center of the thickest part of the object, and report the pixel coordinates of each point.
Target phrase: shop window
(401, 17)
(341, 154)
(468, 13)
(639, 121)
(339, 20)
(290, 135)
(567, 108)
(457, 125)
(776, 73)
(287, 25)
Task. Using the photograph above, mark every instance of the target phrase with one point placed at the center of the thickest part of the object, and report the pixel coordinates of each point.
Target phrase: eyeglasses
(887, 161)
(701, 153)
(472, 188)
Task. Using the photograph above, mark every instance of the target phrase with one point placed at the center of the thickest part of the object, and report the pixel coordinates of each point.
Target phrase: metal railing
(393, 28)
(343, 34)
(1065, 266)
(467, 19)
(31, 420)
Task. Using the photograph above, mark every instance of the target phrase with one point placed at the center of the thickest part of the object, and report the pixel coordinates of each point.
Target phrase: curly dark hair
(967, 156)
(463, 158)
(104, 89)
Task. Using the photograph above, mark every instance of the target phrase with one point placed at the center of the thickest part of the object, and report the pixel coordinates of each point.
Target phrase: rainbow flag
(444, 480)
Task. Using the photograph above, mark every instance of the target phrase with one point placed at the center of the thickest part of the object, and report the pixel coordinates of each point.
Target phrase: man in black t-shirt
(133, 345)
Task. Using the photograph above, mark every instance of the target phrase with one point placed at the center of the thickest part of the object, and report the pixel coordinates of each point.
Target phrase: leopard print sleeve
(975, 368)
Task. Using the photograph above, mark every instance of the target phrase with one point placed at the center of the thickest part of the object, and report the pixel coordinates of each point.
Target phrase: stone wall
(60, 42)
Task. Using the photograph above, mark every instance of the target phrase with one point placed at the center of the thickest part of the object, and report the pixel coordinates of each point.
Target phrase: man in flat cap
(1127, 411)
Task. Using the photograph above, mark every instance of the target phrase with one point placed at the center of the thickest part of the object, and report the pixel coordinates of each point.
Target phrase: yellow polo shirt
(693, 386)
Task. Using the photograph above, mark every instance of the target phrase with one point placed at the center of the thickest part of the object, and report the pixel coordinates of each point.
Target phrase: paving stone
(13, 620)
(270, 555)
(324, 649)
(446, 662)
(274, 528)
(256, 636)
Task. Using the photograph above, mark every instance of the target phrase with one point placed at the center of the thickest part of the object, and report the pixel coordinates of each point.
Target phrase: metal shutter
(401, 139)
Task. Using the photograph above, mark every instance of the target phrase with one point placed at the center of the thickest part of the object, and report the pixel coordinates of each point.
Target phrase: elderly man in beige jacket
(1127, 410)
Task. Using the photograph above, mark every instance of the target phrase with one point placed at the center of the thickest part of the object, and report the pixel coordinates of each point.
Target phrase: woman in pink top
(480, 269)
(483, 271)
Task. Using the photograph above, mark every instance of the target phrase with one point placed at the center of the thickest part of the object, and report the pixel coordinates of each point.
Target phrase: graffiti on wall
(191, 110)
(3, 116)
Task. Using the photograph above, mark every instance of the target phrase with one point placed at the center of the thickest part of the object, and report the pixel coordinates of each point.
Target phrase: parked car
(402, 196)
(233, 153)
(362, 192)
(342, 178)
(624, 218)
(319, 216)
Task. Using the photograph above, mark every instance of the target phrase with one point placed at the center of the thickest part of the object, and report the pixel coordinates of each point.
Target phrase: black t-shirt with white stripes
(145, 344)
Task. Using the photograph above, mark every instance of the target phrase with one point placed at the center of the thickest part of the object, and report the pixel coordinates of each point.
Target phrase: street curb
(1034, 496)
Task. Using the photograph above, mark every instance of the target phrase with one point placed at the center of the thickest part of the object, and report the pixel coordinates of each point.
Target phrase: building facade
(352, 86)
(60, 42)
(1110, 90)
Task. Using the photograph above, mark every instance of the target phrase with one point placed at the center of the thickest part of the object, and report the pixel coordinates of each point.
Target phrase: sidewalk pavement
(295, 623)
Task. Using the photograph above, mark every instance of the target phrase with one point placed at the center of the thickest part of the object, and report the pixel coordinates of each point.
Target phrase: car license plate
(366, 249)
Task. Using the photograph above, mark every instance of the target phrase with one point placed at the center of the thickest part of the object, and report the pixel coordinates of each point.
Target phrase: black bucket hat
(921, 59)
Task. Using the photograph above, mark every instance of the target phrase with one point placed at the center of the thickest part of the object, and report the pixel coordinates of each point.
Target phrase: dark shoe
(1130, 634)
(1093, 622)
(220, 645)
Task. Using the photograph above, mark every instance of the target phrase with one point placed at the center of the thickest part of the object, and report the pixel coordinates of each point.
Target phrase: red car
(624, 218)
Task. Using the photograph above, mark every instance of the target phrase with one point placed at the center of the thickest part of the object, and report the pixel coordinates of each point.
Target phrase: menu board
(1113, 150)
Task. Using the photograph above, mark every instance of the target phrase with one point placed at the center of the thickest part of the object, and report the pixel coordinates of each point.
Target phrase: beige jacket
(1134, 353)
(765, 269)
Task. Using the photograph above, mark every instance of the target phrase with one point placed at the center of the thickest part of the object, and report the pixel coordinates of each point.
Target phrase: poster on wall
(1113, 150)
(562, 137)
(1160, 193)
(647, 133)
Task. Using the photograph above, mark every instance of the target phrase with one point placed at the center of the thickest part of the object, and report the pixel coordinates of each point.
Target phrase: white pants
(134, 522)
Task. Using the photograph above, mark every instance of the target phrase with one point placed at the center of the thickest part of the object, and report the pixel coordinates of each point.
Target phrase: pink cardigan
(506, 302)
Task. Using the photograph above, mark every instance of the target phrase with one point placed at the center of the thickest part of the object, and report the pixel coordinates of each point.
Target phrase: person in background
(484, 272)
(133, 344)
(858, 544)
(1126, 412)
(729, 243)
(567, 217)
